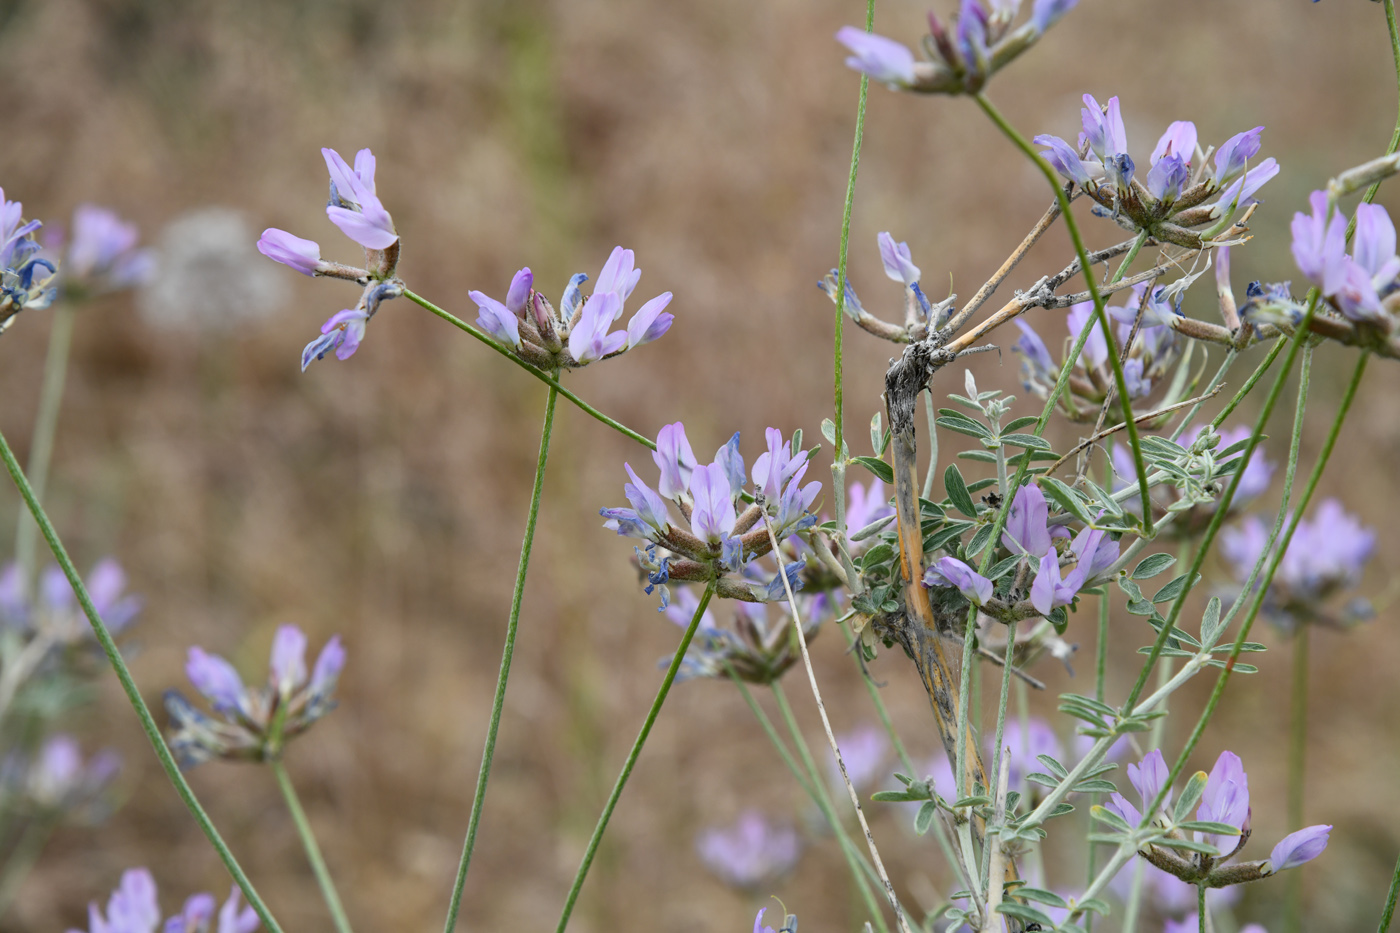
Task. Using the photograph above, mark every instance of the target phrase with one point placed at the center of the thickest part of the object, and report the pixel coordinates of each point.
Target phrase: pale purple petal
(1027, 531)
(1296, 848)
(1179, 140)
(329, 663)
(897, 261)
(884, 60)
(1063, 158)
(216, 679)
(649, 322)
(281, 246)
(713, 516)
(519, 292)
(949, 571)
(496, 319)
(674, 459)
(288, 664)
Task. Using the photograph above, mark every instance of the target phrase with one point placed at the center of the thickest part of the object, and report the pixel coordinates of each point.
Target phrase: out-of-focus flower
(866, 507)
(726, 535)
(255, 722)
(750, 853)
(134, 908)
(54, 610)
(981, 42)
(101, 252)
(1225, 800)
(1174, 198)
(1025, 747)
(1155, 349)
(757, 648)
(25, 277)
(58, 781)
(1325, 556)
(864, 750)
(949, 571)
(1210, 475)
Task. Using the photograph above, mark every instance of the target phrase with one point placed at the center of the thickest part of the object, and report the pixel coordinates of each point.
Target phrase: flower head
(25, 278)
(750, 853)
(133, 908)
(884, 60)
(255, 721)
(102, 253)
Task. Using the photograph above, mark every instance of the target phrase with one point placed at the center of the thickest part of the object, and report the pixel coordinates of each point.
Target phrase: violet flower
(1326, 555)
(864, 751)
(1025, 746)
(58, 780)
(1027, 532)
(866, 506)
(354, 207)
(54, 609)
(884, 60)
(133, 908)
(102, 253)
(25, 278)
(290, 250)
(725, 533)
(758, 647)
(1356, 285)
(751, 853)
(255, 721)
(949, 571)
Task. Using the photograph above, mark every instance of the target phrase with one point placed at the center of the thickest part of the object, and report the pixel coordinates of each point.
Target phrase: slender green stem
(1201, 906)
(881, 710)
(22, 858)
(1248, 387)
(1390, 898)
(45, 427)
(824, 802)
(632, 757)
(1100, 314)
(1278, 552)
(1101, 649)
(133, 695)
(535, 371)
(507, 654)
(1000, 734)
(313, 849)
(1297, 764)
(838, 374)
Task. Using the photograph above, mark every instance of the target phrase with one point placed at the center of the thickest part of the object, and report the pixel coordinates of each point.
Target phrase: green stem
(881, 710)
(1201, 907)
(1100, 314)
(632, 757)
(828, 808)
(22, 859)
(1101, 650)
(1390, 898)
(1297, 763)
(1248, 386)
(535, 371)
(1278, 552)
(995, 776)
(133, 695)
(313, 849)
(507, 654)
(45, 427)
(837, 375)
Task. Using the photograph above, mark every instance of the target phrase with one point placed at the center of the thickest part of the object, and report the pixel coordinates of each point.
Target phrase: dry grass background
(383, 498)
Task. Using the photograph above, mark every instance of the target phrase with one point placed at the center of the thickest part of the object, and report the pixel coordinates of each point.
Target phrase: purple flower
(1045, 13)
(758, 922)
(1179, 140)
(1094, 551)
(496, 319)
(1226, 800)
(674, 459)
(864, 751)
(1327, 552)
(103, 250)
(1374, 248)
(884, 60)
(1037, 739)
(897, 261)
(1296, 848)
(1241, 191)
(651, 321)
(589, 340)
(865, 506)
(217, 679)
(650, 507)
(949, 571)
(777, 465)
(749, 853)
(106, 586)
(1064, 159)
(521, 284)
(1103, 128)
(1049, 591)
(342, 333)
(288, 664)
(713, 516)
(354, 207)
(132, 908)
(1095, 347)
(281, 246)
(1038, 369)
(1168, 178)
(1234, 154)
(1027, 531)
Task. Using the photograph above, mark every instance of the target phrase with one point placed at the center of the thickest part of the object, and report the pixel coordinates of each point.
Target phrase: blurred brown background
(384, 498)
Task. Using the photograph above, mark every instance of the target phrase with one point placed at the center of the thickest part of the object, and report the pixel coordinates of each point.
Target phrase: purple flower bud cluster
(751, 853)
(920, 316)
(1225, 800)
(1182, 190)
(725, 532)
(961, 59)
(580, 331)
(355, 208)
(25, 277)
(254, 723)
(54, 610)
(1361, 286)
(134, 908)
(757, 648)
(789, 923)
(1154, 349)
(1325, 556)
(1029, 535)
(101, 253)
